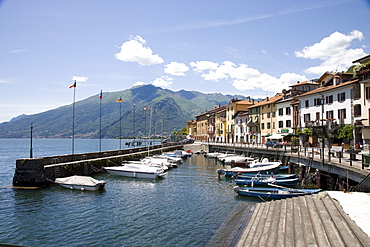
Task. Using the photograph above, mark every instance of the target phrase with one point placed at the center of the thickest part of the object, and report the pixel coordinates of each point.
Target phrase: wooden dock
(313, 220)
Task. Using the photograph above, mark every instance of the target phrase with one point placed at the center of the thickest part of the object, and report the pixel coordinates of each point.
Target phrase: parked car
(187, 141)
(274, 144)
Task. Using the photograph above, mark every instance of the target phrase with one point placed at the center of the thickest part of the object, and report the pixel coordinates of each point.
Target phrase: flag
(119, 100)
(144, 108)
(73, 85)
(101, 94)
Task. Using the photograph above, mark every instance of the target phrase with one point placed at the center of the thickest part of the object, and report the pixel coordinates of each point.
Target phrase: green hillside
(177, 108)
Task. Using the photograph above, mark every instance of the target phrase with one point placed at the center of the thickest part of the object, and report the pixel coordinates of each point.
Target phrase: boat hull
(81, 183)
(267, 169)
(273, 193)
(134, 174)
(83, 187)
(265, 182)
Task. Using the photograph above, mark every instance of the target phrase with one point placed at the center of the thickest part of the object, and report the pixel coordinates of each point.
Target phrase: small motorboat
(277, 176)
(268, 168)
(137, 171)
(266, 181)
(273, 193)
(81, 183)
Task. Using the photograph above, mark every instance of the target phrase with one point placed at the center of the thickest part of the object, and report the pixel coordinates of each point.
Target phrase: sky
(245, 47)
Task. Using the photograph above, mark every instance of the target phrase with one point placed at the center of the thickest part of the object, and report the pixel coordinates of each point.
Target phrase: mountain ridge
(176, 106)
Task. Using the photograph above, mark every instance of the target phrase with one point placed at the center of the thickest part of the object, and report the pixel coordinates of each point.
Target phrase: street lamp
(322, 101)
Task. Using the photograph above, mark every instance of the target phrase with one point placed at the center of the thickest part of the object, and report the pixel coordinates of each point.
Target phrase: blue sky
(252, 48)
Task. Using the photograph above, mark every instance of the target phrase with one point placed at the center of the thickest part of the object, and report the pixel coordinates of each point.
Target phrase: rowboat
(137, 171)
(80, 183)
(266, 181)
(273, 193)
(268, 168)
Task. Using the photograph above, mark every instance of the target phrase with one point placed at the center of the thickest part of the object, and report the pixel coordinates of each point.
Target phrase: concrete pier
(39, 172)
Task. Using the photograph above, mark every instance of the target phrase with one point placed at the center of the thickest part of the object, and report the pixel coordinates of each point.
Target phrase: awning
(277, 136)
(265, 135)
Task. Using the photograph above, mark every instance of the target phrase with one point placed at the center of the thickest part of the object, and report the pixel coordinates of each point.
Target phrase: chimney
(336, 80)
(267, 98)
(253, 101)
(248, 98)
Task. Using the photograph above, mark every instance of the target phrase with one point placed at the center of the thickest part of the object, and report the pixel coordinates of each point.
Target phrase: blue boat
(266, 181)
(277, 176)
(273, 193)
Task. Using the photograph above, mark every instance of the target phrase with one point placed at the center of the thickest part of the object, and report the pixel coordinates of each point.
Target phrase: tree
(345, 132)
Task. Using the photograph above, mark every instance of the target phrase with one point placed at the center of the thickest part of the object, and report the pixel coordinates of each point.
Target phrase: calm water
(185, 209)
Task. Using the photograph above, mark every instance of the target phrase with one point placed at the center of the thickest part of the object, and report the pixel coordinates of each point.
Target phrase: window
(357, 110)
(329, 115)
(268, 115)
(329, 99)
(287, 111)
(306, 103)
(273, 125)
(341, 97)
(281, 124)
(263, 126)
(307, 117)
(281, 111)
(317, 115)
(288, 123)
(273, 114)
(262, 116)
(317, 101)
(268, 125)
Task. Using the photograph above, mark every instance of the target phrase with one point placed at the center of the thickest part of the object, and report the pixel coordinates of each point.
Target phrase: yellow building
(234, 106)
(263, 118)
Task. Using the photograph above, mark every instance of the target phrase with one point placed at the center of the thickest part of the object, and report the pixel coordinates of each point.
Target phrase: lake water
(184, 209)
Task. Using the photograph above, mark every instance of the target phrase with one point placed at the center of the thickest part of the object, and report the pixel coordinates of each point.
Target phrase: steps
(313, 220)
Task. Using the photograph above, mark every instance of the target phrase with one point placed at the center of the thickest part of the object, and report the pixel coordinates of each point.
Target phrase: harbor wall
(42, 171)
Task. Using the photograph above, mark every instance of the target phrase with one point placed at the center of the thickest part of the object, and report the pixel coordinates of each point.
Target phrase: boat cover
(79, 180)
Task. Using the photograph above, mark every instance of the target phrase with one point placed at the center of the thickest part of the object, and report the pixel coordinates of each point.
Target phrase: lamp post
(322, 129)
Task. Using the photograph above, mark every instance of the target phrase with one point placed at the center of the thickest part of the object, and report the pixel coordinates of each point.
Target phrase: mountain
(177, 107)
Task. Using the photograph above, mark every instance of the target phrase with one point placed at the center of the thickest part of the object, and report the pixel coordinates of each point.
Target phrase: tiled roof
(327, 88)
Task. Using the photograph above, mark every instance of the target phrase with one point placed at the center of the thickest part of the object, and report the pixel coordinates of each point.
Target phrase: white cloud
(163, 81)
(134, 51)
(18, 50)
(333, 51)
(139, 83)
(175, 68)
(200, 66)
(80, 78)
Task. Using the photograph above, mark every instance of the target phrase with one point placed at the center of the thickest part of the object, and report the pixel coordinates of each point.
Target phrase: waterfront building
(328, 106)
(191, 127)
(361, 103)
(231, 108)
(241, 129)
(263, 115)
(295, 90)
(284, 119)
(220, 124)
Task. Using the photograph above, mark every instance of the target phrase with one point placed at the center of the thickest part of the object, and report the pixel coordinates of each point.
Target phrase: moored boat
(137, 171)
(267, 181)
(80, 183)
(277, 176)
(270, 168)
(273, 193)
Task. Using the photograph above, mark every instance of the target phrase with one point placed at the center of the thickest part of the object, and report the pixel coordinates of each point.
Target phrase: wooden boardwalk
(313, 220)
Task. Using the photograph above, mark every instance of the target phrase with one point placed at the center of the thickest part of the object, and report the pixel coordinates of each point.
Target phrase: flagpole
(144, 125)
(73, 118)
(120, 124)
(150, 125)
(31, 148)
(100, 99)
(134, 125)
(162, 129)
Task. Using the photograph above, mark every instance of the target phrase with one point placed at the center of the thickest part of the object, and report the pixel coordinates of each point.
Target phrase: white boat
(236, 159)
(270, 168)
(157, 161)
(136, 171)
(212, 155)
(80, 183)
